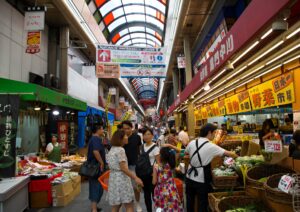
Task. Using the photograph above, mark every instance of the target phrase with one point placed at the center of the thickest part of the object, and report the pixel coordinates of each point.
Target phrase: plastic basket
(103, 179)
(179, 185)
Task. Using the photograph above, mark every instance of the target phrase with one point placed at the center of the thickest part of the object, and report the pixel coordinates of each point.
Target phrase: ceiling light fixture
(245, 52)
(47, 108)
(290, 60)
(266, 34)
(37, 107)
(255, 70)
(55, 112)
(284, 53)
(266, 52)
(293, 33)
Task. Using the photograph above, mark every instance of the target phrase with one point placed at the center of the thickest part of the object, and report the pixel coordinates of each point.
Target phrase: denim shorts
(95, 190)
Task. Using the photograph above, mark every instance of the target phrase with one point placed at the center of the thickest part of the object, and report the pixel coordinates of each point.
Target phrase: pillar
(296, 104)
(175, 82)
(191, 120)
(177, 122)
(63, 62)
(52, 51)
(188, 59)
(188, 78)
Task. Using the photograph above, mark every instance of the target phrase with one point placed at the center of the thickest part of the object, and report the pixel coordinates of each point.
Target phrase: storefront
(86, 120)
(42, 112)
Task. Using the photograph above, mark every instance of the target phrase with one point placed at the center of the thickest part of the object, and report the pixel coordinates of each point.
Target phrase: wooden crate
(214, 198)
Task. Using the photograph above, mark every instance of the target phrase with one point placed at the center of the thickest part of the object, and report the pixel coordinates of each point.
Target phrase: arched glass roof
(133, 23)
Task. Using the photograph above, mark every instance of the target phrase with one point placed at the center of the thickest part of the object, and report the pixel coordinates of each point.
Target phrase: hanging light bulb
(47, 108)
(55, 112)
(37, 107)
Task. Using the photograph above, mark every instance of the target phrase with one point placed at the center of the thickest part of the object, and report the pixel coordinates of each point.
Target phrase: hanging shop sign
(142, 71)
(260, 13)
(197, 114)
(131, 61)
(129, 55)
(9, 110)
(238, 103)
(33, 42)
(279, 91)
(107, 70)
(181, 62)
(62, 133)
(34, 20)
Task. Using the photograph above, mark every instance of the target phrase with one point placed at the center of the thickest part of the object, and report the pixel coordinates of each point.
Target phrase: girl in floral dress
(166, 195)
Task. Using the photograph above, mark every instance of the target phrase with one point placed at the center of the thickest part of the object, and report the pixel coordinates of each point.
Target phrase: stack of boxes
(65, 191)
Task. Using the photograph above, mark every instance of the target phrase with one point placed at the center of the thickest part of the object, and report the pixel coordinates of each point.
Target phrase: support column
(175, 83)
(188, 59)
(191, 120)
(188, 78)
(63, 62)
(52, 51)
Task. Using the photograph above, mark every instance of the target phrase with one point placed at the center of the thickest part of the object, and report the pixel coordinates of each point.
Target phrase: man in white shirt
(183, 137)
(198, 178)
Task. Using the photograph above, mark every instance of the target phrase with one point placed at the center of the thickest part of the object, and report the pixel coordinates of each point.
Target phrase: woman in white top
(153, 156)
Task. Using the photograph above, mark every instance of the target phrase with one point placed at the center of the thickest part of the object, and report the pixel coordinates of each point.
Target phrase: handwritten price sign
(285, 183)
(273, 146)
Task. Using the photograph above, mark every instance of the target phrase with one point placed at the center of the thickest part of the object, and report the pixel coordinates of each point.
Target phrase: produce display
(248, 208)
(223, 171)
(249, 160)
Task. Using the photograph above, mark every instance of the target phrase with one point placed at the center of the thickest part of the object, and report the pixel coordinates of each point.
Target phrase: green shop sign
(33, 92)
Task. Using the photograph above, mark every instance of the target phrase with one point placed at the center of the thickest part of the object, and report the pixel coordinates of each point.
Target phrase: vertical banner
(33, 42)
(62, 133)
(9, 109)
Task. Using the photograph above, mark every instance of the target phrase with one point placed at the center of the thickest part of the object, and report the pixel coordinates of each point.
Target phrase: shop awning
(33, 92)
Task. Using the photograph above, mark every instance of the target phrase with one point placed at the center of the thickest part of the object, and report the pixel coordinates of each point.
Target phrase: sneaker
(138, 207)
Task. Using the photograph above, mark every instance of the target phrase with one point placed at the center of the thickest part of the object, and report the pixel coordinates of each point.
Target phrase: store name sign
(217, 58)
(34, 21)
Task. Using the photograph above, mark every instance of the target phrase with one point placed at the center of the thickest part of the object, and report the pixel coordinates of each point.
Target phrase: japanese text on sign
(217, 58)
(34, 21)
(278, 91)
(273, 146)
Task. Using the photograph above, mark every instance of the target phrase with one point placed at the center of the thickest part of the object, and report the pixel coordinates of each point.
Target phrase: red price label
(273, 146)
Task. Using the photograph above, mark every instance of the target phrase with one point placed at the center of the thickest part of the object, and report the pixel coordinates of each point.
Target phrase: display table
(14, 194)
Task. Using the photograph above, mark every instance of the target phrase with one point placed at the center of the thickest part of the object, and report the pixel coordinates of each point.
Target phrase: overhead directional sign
(133, 61)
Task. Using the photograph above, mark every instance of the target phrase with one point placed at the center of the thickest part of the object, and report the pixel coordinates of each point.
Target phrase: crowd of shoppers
(138, 162)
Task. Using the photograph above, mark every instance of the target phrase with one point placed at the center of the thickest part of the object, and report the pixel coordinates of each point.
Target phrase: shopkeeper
(267, 133)
(198, 178)
(53, 150)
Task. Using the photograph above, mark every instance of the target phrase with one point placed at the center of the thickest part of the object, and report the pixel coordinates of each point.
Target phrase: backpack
(143, 166)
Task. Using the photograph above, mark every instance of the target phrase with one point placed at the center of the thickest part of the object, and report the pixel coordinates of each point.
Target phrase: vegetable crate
(225, 181)
(215, 198)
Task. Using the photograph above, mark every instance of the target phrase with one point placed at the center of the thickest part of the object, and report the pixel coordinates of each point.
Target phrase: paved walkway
(82, 204)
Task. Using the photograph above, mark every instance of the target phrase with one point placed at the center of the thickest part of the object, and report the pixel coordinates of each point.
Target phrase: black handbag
(88, 169)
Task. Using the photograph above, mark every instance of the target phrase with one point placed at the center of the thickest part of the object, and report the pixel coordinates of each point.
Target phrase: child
(166, 195)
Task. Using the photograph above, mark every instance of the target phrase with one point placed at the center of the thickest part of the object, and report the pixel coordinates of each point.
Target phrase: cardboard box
(62, 189)
(39, 199)
(61, 201)
(77, 190)
(75, 181)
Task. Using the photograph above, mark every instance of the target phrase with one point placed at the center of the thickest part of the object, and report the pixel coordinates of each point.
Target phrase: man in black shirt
(132, 150)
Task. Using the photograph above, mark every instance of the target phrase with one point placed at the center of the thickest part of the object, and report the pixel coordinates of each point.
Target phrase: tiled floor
(82, 204)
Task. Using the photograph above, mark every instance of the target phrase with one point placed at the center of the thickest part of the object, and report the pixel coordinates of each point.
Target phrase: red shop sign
(254, 18)
(62, 133)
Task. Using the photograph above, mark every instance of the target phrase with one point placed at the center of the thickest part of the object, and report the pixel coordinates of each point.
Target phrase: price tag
(273, 146)
(285, 183)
